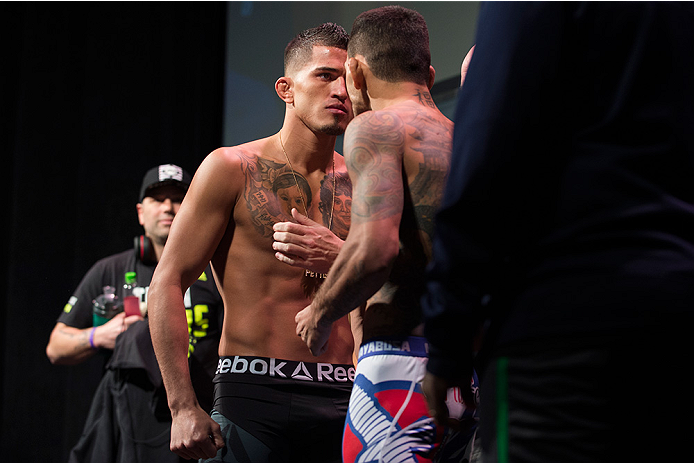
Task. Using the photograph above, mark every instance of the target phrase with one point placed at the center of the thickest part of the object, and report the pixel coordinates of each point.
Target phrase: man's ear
(432, 75)
(356, 69)
(466, 64)
(284, 89)
(140, 212)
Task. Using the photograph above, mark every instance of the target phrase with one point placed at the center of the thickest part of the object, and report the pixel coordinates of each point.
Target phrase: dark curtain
(91, 96)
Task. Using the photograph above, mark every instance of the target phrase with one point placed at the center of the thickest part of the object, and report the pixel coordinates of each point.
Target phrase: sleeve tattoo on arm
(375, 161)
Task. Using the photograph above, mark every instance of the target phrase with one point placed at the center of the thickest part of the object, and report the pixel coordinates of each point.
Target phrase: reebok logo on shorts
(301, 371)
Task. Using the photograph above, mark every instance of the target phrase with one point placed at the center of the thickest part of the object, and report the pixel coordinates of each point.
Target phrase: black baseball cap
(165, 174)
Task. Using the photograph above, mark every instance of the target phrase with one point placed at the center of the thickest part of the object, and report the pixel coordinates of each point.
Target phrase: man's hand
(195, 435)
(306, 244)
(313, 333)
(435, 390)
(106, 334)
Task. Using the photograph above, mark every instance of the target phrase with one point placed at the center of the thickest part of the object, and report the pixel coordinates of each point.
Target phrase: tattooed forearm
(81, 336)
(352, 292)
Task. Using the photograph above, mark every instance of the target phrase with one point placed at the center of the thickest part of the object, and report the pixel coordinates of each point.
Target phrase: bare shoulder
(374, 131)
(222, 169)
(233, 157)
(398, 116)
(423, 116)
(399, 126)
(429, 133)
(375, 122)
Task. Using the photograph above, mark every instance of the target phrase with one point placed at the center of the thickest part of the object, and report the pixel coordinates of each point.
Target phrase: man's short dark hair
(300, 49)
(395, 42)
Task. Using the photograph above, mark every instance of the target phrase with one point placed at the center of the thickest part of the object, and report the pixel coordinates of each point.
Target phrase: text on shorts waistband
(414, 346)
(287, 369)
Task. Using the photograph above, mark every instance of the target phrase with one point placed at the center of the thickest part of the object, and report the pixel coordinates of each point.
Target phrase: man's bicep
(373, 153)
(201, 221)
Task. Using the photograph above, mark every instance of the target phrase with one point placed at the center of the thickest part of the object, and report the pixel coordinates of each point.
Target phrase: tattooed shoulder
(260, 193)
(374, 156)
(432, 147)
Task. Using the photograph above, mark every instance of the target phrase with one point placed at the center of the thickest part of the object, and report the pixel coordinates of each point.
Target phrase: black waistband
(292, 370)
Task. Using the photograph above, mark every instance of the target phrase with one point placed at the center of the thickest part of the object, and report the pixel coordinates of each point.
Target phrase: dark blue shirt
(569, 209)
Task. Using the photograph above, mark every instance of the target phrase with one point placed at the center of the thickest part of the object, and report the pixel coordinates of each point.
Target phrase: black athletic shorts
(273, 410)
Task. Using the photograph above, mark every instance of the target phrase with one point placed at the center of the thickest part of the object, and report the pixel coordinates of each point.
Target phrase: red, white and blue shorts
(388, 418)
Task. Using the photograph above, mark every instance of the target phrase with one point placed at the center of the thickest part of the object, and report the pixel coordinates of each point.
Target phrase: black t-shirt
(205, 313)
(133, 350)
(109, 271)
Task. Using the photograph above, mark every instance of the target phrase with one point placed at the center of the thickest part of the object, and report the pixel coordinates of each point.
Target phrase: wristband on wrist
(91, 338)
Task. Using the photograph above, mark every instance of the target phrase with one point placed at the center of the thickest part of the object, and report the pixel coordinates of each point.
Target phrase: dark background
(91, 96)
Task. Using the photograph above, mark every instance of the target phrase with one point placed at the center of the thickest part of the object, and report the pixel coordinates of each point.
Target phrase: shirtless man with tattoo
(397, 156)
(274, 401)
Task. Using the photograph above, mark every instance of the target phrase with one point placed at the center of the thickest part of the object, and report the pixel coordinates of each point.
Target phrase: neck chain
(309, 273)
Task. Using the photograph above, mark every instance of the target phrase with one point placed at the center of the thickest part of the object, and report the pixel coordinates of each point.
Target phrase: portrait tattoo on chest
(272, 189)
(263, 206)
(336, 203)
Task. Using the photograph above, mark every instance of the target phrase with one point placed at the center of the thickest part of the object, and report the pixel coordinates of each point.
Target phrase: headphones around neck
(144, 250)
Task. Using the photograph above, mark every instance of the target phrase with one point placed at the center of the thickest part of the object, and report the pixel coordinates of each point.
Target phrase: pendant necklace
(309, 273)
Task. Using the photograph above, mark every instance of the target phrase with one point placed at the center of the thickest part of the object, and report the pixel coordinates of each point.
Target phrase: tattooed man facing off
(397, 156)
(273, 400)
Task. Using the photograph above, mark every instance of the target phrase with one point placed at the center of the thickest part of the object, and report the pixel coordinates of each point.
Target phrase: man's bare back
(423, 135)
(398, 158)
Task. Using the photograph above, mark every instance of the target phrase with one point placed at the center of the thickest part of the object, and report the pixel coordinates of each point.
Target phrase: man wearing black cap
(129, 419)
(74, 338)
